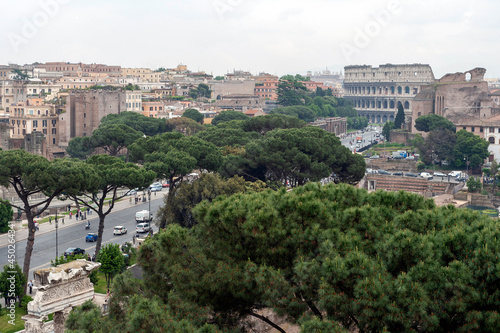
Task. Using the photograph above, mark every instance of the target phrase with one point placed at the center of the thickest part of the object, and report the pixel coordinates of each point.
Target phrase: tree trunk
(170, 197)
(99, 235)
(29, 248)
(279, 329)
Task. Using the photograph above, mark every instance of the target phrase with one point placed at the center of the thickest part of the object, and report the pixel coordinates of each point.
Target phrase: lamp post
(57, 249)
(149, 199)
(466, 158)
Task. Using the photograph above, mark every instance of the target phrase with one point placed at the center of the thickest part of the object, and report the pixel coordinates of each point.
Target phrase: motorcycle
(87, 227)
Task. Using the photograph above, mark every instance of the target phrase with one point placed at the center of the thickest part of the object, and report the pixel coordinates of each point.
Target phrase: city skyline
(279, 37)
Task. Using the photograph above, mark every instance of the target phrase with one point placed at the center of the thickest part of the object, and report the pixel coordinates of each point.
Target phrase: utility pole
(57, 248)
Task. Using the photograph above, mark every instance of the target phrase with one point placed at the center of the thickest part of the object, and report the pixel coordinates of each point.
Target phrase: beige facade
(377, 91)
(134, 100)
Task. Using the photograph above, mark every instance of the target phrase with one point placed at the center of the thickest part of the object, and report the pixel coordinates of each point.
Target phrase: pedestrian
(50, 219)
(36, 226)
(70, 214)
(30, 284)
(76, 216)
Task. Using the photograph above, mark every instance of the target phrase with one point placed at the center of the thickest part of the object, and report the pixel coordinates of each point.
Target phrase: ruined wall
(5, 136)
(85, 109)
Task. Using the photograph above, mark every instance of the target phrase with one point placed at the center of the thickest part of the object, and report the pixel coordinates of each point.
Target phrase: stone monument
(59, 289)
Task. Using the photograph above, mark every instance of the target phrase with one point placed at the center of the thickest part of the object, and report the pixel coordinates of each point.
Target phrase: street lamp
(57, 249)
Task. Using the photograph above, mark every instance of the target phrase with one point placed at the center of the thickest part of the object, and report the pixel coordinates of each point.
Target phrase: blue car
(91, 237)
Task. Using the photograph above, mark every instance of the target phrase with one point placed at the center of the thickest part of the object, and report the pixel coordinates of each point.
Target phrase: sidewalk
(46, 227)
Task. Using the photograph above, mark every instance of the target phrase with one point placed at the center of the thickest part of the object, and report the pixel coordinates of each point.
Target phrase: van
(142, 227)
(143, 216)
(454, 174)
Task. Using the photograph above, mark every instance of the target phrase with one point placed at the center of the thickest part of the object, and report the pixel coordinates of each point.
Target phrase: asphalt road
(74, 236)
(367, 138)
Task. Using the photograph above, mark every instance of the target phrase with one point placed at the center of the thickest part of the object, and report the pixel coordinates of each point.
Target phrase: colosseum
(377, 91)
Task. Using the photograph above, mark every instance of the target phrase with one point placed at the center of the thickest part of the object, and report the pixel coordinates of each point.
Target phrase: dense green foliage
(438, 144)
(207, 187)
(172, 156)
(386, 130)
(227, 136)
(112, 262)
(80, 147)
(298, 155)
(30, 175)
(6, 214)
(295, 100)
(102, 176)
(146, 125)
(302, 112)
(228, 116)
(400, 117)
(472, 147)
(202, 90)
(193, 114)
(12, 281)
(433, 121)
(371, 261)
(186, 126)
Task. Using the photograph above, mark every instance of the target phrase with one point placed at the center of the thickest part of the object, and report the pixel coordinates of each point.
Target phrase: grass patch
(5, 327)
(101, 287)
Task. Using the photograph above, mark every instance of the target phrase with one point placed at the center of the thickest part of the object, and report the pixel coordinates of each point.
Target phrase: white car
(119, 230)
(142, 227)
(425, 175)
(439, 174)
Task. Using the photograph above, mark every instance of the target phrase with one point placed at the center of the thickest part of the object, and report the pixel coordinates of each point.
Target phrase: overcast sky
(275, 36)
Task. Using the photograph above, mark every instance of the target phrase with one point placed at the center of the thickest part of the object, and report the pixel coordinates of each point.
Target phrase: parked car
(132, 192)
(91, 237)
(156, 188)
(454, 174)
(439, 174)
(383, 172)
(425, 175)
(73, 250)
(411, 174)
(142, 227)
(397, 173)
(119, 230)
(411, 158)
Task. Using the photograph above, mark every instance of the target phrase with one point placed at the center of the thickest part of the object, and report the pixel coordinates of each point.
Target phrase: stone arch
(468, 77)
(407, 90)
(400, 90)
(378, 119)
(379, 104)
(384, 119)
(373, 118)
(393, 90)
(407, 105)
(385, 104)
(391, 117)
(491, 139)
(373, 90)
(373, 104)
(391, 105)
